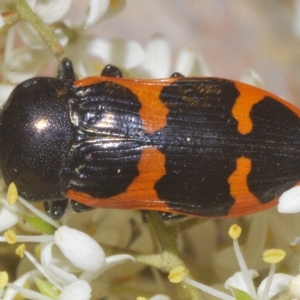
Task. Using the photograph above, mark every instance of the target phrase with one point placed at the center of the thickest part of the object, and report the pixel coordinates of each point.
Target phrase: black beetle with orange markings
(205, 147)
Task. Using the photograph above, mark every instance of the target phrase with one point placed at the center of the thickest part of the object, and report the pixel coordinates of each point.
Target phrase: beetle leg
(176, 75)
(111, 71)
(79, 207)
(56, 208)
(65, 70)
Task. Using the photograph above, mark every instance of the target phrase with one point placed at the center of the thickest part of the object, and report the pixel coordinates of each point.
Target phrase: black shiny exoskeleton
(206, 147)
(35, 136)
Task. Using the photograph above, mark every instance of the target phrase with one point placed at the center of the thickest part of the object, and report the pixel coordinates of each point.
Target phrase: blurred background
(231, 35)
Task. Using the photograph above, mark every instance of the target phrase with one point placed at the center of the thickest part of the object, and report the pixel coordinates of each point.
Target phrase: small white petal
(79, 290)
(84, 252)
(97, 9)
(289, 201)
(11, 293)
(51, 11)
(29, 36)
(115, 7)
(8, 218)
(77, 53)
(29, 294)
(251, 77)
(294, 286)
(24, 63)
(238, 281)
(158, 58)
(9, 43)
(110, 262)
(279, 283)
(122, 53)
(57, 273)
(114, 260)
(190, 63)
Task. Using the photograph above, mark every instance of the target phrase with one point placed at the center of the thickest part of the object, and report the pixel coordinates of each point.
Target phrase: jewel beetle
(206, 147)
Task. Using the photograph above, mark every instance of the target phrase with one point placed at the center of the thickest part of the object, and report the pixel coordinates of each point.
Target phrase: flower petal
(57, 273)
(51, 11)
(157, 62)
(110, 262)
(238, 281)
(24, 63)
(190, 63)
(84, 252)
(115, 7)
(11, 293)
(251, 77)
(289, 201)
(8, 218)
(29, 36)
(79, 290)
(97, 9)
(122, 53)
(279, 283)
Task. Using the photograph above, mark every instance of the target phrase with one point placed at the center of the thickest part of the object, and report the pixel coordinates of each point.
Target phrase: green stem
(44, 31)
(169, 258)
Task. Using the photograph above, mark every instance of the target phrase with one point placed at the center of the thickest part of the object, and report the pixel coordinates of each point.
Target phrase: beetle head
(35, 137)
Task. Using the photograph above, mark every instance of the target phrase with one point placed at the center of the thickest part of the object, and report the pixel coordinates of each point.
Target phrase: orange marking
(245, 201)
(250, 95)
(153, 111)
(141, 193)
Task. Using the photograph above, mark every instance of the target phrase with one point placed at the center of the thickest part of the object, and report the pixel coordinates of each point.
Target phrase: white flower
(294, 286)
(157, 63)
(243, 281)
(63, 255)
(284, 229)
(249, 76)
(84, 252)
(8, 218)
(289, 201)
(78, 290)
(8, 215)
(24, 62)
(280, 282)
(238, 281)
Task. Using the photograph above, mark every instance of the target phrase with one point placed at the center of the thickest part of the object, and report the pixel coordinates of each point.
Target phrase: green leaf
(240, 295)
(46, 288)
(39, 224)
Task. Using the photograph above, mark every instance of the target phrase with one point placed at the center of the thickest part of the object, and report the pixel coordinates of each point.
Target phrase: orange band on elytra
(249, 96)
(141, 193)
(245, 201)
(153, 111)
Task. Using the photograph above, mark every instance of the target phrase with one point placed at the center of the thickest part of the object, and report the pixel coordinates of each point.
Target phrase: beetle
(206, 147)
